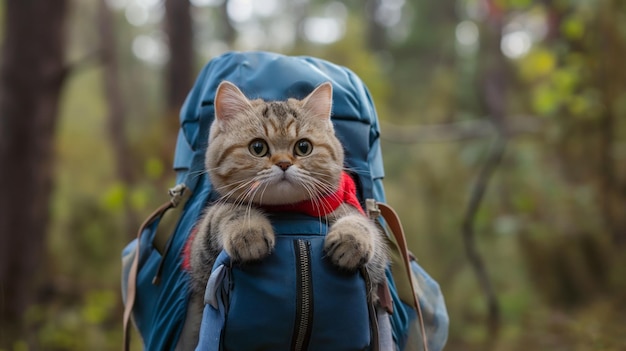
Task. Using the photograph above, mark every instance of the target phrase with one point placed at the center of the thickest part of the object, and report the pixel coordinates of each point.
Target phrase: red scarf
(322, 206)
(346, 193)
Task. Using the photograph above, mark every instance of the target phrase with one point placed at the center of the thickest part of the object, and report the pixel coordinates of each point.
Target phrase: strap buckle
(176, 194)
(371, 207)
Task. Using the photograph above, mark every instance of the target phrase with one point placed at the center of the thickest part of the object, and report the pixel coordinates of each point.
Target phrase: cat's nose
(283, 165)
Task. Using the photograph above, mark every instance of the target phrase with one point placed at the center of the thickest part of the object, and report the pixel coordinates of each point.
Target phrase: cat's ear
(320, 101)
(229, 102)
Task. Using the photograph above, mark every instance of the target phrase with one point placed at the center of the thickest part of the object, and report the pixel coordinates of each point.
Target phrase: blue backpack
(294, 299)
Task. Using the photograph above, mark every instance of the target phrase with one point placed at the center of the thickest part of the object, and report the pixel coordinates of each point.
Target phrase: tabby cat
(270, 154)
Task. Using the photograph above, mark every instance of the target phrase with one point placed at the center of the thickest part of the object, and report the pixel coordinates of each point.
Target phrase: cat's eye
(258, 148)
(303, 147)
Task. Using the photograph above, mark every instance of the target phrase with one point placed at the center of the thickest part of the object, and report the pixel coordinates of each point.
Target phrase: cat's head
(276, 152)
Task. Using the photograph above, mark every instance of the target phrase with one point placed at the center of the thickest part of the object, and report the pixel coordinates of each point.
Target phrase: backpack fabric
(319, 307)
(157, 295)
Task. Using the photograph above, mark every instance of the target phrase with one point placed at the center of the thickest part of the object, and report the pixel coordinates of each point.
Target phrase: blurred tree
(32, 74)
(377, 36)
(229, 33)
(117, 112)
(180, 68)
(611, 80)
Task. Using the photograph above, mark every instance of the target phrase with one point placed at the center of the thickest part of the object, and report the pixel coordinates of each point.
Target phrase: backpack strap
(393, 222)
(176, 195)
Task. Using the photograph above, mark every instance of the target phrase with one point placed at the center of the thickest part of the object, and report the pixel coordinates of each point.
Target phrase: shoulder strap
(178, 193)
(393, 222)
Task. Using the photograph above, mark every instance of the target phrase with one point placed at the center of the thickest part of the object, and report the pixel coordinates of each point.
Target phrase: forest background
(504, 141)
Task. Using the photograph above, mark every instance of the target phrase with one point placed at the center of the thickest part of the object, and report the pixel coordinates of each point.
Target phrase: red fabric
(346, 193)
(187, 250)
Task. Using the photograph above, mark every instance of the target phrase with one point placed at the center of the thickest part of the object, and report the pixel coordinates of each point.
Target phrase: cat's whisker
(364, 172)
(210, 170)
(242, 196)
(234, 183)
(255, 185)
(258, 185)
(237, 186)
(324, 188)
(263, 192)
(314, 194)
(200, 172)
(242, 199)
(203, 171)
(227, 195)
(333, 194)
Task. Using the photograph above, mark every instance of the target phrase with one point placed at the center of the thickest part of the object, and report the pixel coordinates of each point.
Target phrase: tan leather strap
(131, 289)
(393, 222)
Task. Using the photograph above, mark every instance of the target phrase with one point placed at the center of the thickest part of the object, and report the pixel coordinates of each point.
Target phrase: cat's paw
(349, 244)
(250, 241)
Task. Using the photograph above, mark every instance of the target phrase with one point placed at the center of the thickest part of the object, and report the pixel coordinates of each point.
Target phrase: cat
(264, 154)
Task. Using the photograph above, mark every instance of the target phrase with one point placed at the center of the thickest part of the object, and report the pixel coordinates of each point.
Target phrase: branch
(493, 160)
(458, 131)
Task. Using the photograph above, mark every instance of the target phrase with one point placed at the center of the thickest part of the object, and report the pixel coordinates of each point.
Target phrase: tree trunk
(180, 67)
(228, 33)
(376, 33)
(31, 77)
(611, 84)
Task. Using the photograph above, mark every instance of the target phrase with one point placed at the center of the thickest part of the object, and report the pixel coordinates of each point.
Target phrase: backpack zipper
(304, 297)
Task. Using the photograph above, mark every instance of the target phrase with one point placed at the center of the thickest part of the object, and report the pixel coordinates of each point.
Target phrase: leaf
(573, 27)
(113, 197)
(539, 63)
(545, 99)
(565, 81)
(153, 167)
(578, 105)
(98, 306)
(139, 199)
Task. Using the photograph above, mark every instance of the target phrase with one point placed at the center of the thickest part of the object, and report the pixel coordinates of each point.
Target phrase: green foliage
(98, 306)
(538, 64)
(154, 168)
(76, 325)
(573, 27)
(114, 197)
